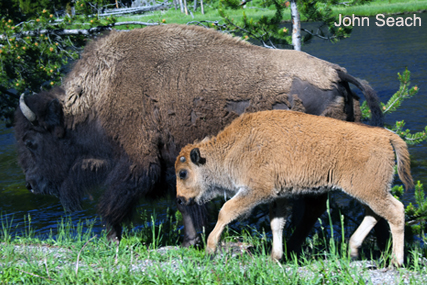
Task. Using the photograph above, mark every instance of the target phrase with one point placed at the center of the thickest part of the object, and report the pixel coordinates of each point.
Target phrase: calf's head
(189, 181)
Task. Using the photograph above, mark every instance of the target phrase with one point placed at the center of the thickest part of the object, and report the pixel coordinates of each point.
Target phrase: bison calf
(266, 157)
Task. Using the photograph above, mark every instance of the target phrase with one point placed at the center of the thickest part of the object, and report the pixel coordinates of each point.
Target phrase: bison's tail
(403, 161)
(377, 117)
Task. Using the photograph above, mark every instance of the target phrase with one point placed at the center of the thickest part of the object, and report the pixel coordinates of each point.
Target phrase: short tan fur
(268, 156)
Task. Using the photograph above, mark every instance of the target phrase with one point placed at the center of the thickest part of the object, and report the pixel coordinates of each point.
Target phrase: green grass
(150, 256)
(255, 11)
(176, 17)
(384, 7)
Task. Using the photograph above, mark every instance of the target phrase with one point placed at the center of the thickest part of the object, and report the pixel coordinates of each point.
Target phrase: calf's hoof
(396, 263)
(276, 257)
(210, 250)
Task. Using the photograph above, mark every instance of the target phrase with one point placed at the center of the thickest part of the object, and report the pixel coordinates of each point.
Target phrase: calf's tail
(377, 117)
(403, 161)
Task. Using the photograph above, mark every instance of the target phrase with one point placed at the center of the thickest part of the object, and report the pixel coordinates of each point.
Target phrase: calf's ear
(196, 158)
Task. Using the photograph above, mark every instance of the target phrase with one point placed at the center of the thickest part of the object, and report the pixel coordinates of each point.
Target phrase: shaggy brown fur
(269, 156)
(148, 92)
(165, 65)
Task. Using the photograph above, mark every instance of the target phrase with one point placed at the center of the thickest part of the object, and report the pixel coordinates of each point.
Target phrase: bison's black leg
(382, 233)
(114, 232)
(190, 233)
(194, 218)
(123, 194)
(117, 205)
(315, 206)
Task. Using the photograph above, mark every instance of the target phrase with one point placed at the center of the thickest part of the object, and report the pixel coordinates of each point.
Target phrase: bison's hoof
(191, 242)
(211, 256)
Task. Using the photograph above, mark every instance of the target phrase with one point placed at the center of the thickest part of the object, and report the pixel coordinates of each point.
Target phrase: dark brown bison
(135, 98)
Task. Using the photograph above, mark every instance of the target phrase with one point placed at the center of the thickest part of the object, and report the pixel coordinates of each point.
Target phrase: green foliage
(33, 56)
(28, 63)
(270, 31)
(347, 3)
(394, 103)
(10, 9)
(31, 8)
(415, 213)
(87, 8)
(233, 4)
(266, 30)
(322, 11)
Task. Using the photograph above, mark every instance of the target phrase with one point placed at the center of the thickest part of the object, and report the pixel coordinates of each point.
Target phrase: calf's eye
(183, 174)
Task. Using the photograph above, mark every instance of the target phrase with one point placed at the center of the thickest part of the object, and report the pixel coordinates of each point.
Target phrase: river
(373, 53)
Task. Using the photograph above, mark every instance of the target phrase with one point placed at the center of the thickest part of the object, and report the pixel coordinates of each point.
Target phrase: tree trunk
(201, 7)
(195, 6)
(296, 26)
(181, 6)
(185, 7)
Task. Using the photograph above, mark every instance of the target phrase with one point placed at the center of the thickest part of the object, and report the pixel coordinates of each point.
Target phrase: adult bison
(135, 98)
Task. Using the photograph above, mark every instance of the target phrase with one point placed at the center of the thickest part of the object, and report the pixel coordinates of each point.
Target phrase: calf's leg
(390, 209)
(362, 231)
(232, 209)
(277, 222)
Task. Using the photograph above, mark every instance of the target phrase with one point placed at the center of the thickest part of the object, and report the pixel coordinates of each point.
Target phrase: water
(377, 54)
(372, 53)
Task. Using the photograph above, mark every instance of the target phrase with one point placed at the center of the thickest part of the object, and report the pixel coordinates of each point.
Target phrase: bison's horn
(26, 110)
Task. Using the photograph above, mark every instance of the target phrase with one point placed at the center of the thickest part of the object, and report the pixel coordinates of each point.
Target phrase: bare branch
(135, 10)
(317, 35)
(202, 23)
(4, 90)
(75, 32)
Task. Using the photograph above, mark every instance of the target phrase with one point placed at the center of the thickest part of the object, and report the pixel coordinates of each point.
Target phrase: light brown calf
(266, 157)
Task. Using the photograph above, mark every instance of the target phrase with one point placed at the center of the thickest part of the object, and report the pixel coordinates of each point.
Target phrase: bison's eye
(183, 174)
(30, 144)
(182, 159)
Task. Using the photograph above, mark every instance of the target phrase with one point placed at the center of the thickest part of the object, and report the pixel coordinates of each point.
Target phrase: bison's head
(43, 146)
(188, 175)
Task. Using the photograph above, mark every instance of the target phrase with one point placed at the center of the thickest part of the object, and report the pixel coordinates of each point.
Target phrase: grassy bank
(387, 7)
(256, 10)
(211, 14)
(150, 256)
